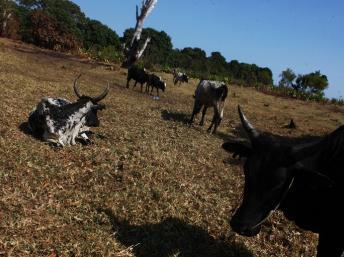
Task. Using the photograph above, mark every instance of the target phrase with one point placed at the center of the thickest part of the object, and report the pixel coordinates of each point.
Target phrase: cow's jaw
(247, 228)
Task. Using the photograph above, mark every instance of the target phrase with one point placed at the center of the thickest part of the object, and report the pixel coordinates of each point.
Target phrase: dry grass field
(149, 185)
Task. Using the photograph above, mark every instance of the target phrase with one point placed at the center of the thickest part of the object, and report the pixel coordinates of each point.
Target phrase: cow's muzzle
(243, 229)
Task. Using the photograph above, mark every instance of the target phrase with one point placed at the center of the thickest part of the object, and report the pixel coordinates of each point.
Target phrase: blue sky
(304, 35)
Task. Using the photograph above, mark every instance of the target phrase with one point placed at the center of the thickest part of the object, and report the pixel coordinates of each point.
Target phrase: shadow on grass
(172, 237)
(175, 116)
(24, 127)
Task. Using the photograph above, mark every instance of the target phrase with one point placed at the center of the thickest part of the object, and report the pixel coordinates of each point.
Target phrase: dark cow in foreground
(155, 81)
(61, 122)
(138, 74)
(305, 181)
(210, 94)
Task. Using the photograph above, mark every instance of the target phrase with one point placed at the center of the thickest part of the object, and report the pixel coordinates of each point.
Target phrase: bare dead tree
(5, 15)
(133, 53)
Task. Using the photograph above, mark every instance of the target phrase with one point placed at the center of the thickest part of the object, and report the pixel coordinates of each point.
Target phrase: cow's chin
(252, 231)
(243, 228)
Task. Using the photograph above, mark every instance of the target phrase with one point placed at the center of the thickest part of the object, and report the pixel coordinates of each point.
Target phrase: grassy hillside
(149, 185)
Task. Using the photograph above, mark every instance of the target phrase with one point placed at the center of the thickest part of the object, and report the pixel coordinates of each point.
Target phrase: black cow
(155, 81)
(305, 181)
(59, 121)
(137, 74)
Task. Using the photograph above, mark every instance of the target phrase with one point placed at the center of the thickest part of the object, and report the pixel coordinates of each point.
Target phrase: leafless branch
(134, 53)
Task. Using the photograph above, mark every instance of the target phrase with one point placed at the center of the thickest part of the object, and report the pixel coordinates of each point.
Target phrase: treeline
(62, 26)
(59, 25)
(161, 55)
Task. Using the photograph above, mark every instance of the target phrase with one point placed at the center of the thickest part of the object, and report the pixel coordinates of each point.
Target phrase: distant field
(149, 185)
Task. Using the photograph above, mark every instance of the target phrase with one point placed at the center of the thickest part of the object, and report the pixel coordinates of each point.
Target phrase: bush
(111, 54)
(43, 31)
(301, 95)
(108, 54)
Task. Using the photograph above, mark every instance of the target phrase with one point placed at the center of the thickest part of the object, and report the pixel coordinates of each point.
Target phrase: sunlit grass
(148, 185)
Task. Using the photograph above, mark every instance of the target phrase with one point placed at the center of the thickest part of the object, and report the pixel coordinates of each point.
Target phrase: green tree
(63, 21)
(67, 14)
(233, 69)
(158, 50)
(314, 82)
(66, 27)
(264, 76)
(217, 64)
(194, 61)
(96, 35)
(44, 31)
(287, 78)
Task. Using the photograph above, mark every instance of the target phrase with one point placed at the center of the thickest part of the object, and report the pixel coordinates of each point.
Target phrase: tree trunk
(5, 16)
(133, 53)
(4, 23)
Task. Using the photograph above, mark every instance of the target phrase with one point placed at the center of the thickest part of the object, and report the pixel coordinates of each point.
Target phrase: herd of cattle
(305, 181)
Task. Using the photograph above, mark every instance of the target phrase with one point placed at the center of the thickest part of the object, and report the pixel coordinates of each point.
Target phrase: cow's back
(37, 117)
(137, 74)
(312, 202)
(205, 92)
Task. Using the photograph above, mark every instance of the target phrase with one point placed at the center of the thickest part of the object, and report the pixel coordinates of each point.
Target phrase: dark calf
(155, 82)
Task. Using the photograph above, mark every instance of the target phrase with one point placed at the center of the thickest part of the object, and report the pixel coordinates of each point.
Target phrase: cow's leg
(72, 138)
(135, 84)
(197, 108)
(203, 114)
(84, 134)
(331, 244)
(211, 125)
(84, 138)
(128, 80)
(215, 120)
(61, 141)
(141, 87)
(157, 92)
(52, 138)
(54, 142)
(152, 90)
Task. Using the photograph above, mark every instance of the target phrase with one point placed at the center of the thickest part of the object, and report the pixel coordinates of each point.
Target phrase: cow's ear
(240, 149)
(313, 179)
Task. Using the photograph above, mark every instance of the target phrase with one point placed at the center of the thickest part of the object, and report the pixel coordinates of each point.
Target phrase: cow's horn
(250, 130)
(102, 95)
(76, 90)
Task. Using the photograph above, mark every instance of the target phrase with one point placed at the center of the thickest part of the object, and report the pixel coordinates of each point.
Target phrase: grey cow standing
(210, 94)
